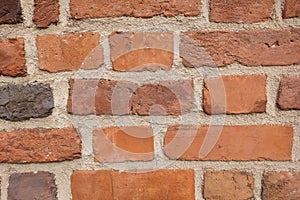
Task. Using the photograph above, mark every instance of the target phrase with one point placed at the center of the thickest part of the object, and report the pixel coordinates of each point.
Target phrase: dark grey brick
(19, 102)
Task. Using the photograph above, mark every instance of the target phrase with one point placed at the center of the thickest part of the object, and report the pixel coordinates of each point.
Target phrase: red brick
(12, 57)
(281, 185)
(110, 185)
(289, 93)
(10, 11)
(46, 12)
(119, 144)
(235, 94)
(229, 143)
(133, 8)
(291, 9)
(240, 11)
(39, 185)
(164, 98)
(39, 145)
(154, 50)
(69, 52)
(228, 185)
(121, 98)
(249, 47)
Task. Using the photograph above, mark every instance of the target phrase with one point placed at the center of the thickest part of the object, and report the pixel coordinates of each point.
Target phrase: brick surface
(39, 145)
(241, 11)
(281, 185)
(291, 9)
(22, 102)
(12, 57)
(133, 8)
(289, 93)
(10, 12)
(249, 47)
(119, 144)
(235, 94)
(120, 97)
(29, 186)
(110, 185)
(239, 143)
(46, 12)
(154, 50)
(228, 185)
(69, 52)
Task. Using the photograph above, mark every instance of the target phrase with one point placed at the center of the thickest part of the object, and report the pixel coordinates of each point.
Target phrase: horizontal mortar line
(108, 25)
(200, 119)
(205, 165)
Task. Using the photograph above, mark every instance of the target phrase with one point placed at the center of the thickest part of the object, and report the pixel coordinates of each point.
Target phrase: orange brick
(110, 185)
(69, 52)
(229, 143)
(119, 144)
(154, 50)
(235, 94)
(228, 185)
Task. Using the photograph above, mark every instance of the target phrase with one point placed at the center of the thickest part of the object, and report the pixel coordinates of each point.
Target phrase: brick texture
(289, 93)
(10, 12)
(291, 9)
(281, 185)
(239, 143)
(120, 97)
(235, 94)
(22, 102)
(69, 52)
(249, 47)
(46, 12)
(240, 11)
(110, 185)
(228, 185)
(40, 185)
(154, 50)
(39, 145)
(12, 57)
(119, 144)
(133, 8)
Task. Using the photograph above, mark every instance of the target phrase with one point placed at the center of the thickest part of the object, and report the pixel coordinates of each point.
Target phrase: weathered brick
(22, 102)
(281, 185)
(26, 186)
(229, 143)
(69, 52)
(121, 98)
(119, 144)
(109, 185)
(235, 94)
(291, 9)
(228, 185)
(240, 11)
(154, 50)
(249, 47)
(12, 57)
(133, 8)
(39, 145)
(46, 12)
(165, 98)
(10, 12)
(289, 93)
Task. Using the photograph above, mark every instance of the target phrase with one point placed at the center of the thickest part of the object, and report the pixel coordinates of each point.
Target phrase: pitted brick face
(22, 102)
(133, 8)
(10, 12)
(46, 12)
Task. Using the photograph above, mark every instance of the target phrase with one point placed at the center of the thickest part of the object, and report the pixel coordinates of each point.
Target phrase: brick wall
(128, 99)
